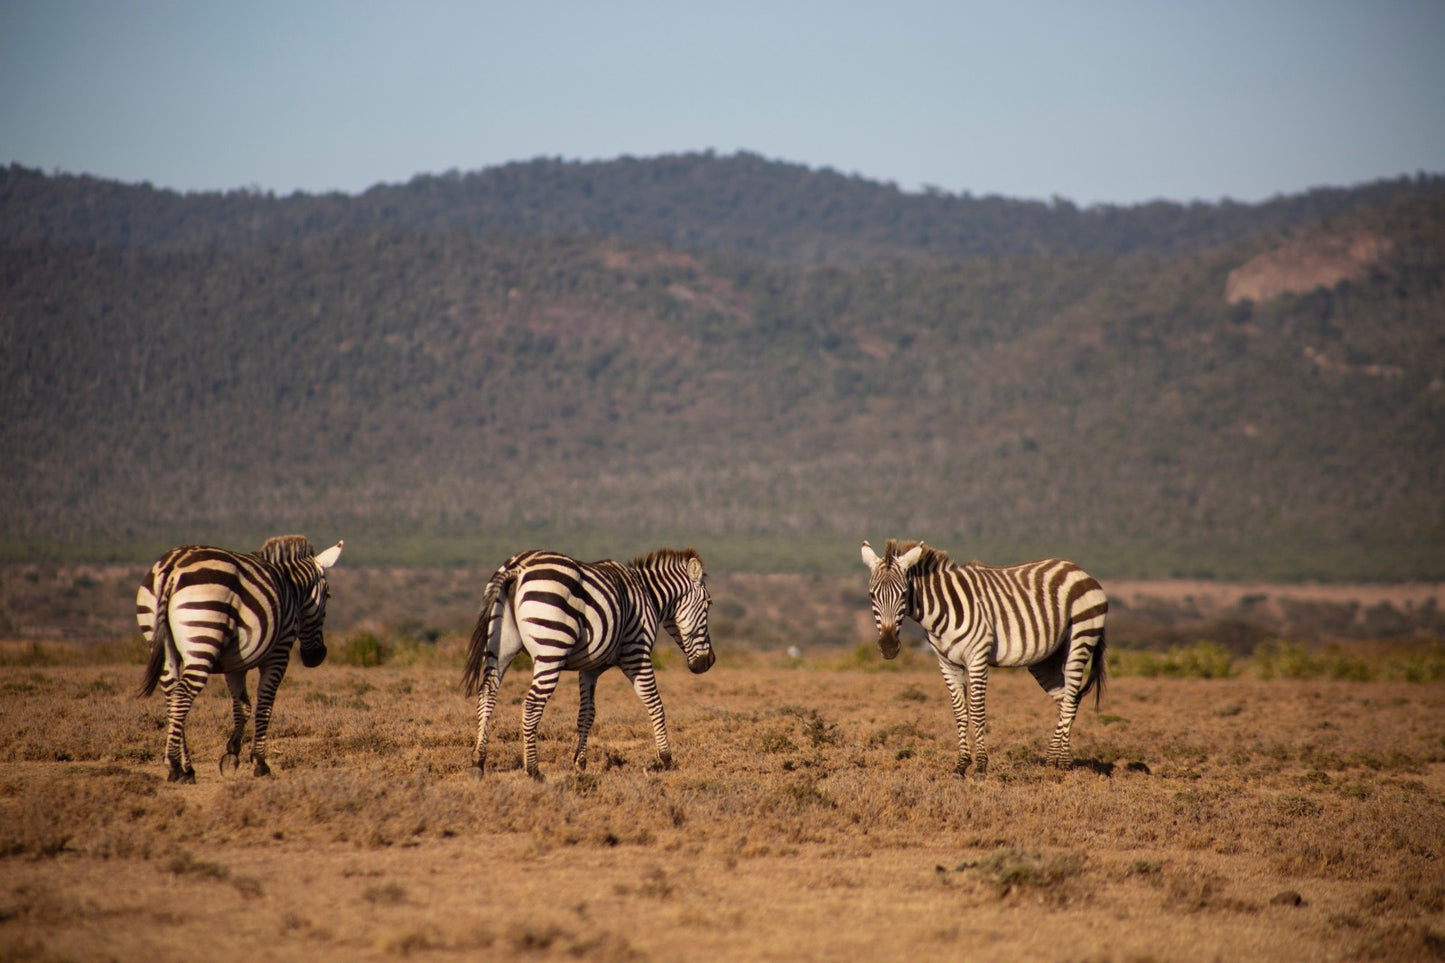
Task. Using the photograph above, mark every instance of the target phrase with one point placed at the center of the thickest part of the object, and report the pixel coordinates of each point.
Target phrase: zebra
(1048, 615)
(585, 618)
(207, 610)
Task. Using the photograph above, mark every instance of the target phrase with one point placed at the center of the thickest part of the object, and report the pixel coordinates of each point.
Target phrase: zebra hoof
(183, 776)
(232, 760)
(477, 773)
(261, 768)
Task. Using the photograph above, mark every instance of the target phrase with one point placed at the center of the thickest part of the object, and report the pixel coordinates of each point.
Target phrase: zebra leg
(1060, 754)
(1071, 682)
(503, 644)
(180, 693)
(544, 682)
(1051, 678)
(977, 718)
(644, 683)
(240, 712)
(271, 674)
(586, 713)
(957, 681)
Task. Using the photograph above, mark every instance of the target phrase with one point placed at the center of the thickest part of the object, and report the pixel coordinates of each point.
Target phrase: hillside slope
(425, 394)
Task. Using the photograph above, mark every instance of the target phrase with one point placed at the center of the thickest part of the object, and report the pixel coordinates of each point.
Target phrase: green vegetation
(439, 379)
(1416, 661)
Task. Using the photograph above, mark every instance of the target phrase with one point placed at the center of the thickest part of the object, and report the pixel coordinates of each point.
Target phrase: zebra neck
(653, 589)
(928, 604)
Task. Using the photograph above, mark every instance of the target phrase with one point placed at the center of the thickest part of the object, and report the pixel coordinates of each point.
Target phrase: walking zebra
(1048, 615)
(585, 618)
(205, 610)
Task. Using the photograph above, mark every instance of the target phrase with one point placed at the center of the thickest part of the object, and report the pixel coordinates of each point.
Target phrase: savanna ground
(1235, 798)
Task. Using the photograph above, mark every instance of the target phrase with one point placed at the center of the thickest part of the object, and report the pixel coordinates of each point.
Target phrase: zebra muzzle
(888, 642)
(702, 662)
(311, 657)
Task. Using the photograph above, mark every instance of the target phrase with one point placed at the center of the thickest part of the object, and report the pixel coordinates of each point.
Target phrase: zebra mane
(287, 548)
(929, 560)
(667, 556)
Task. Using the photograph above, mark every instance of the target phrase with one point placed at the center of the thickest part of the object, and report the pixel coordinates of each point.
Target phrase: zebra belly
(1005, 651)
(1014, 649)
(598, 649)
(579, 660)
(246, 646)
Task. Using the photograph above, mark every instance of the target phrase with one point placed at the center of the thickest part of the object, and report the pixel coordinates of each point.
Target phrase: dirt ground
(813, 814)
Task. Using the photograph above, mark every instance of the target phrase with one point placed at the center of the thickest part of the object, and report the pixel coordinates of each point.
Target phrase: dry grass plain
(813, 814)
(1233, 800)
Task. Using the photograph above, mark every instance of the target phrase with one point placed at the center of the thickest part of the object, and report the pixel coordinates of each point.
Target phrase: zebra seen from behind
(205, 611)
(584, 618)
(1048, 615)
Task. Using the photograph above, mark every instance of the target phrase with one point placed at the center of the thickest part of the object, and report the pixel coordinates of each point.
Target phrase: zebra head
(687, 621)
(888, 591)
(313, 609)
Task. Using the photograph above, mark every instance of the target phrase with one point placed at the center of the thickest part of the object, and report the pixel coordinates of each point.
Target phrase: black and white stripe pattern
(585, 618)
(206, 610)
(1048, 615)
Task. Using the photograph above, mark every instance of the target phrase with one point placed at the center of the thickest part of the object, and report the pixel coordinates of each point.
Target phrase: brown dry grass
(813, 815)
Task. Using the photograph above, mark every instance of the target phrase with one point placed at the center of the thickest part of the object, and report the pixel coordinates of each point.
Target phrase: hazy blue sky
(1114, 101)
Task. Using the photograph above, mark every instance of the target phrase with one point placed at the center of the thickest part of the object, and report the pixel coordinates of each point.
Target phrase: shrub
(363, 649)
(1289, 660)
(1204, 660)
(1425, 664)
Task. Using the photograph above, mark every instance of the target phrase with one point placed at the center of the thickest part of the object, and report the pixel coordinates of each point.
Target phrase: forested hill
(1259, 391)
(702, 202)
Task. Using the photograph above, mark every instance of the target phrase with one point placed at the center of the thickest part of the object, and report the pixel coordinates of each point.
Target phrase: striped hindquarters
(576, 614)
(227, 609)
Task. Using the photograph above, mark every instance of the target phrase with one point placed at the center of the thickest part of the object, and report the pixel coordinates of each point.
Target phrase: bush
(1203, 660)
(1426, 664)
(1290, 660)
(363, 649)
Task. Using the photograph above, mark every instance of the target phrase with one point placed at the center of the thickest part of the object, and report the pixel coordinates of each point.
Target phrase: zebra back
(1030, 607)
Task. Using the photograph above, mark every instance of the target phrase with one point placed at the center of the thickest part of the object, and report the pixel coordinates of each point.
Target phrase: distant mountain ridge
(739, 203)
(466, 365)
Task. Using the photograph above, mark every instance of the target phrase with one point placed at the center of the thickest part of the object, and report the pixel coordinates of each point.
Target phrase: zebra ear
(694, 569)
(870, 557)
(328, 558)
(908, 558)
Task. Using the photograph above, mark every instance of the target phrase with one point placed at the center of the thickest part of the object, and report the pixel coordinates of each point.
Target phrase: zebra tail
(1097, 672)
(477, 648)
(160, 641)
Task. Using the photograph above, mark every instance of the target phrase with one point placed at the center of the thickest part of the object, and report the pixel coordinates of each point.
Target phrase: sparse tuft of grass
(1010, 870)
(389, 894)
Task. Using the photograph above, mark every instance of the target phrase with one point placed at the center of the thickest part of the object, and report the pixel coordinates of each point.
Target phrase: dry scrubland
(1236, 797)
(813, 814)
